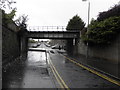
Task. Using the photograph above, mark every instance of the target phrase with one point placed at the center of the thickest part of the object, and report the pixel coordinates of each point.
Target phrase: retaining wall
(10, 45)
(110, 53)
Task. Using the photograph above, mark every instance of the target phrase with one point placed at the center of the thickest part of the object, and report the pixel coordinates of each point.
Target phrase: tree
(21, 21)
(76, 23)
(8, 18)
(6, 4)
(114, 11)
(105, 29)
(103, 32)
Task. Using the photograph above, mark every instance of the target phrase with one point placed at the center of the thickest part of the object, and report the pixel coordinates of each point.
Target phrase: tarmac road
(56, 72)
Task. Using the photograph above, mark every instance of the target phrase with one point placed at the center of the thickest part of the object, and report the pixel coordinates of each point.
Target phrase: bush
(102, 32)
(7, 18)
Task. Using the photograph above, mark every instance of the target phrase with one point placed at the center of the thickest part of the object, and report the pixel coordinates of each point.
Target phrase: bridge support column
(75, 47)
(70, 46)
(23, 41)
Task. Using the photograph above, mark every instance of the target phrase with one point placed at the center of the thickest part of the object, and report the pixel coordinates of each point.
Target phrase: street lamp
(88, 24)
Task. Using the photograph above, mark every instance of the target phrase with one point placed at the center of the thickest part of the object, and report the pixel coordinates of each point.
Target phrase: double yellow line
(58, 77)
(95, 72)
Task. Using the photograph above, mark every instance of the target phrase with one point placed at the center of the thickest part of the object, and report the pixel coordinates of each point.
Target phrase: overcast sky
(59, 12)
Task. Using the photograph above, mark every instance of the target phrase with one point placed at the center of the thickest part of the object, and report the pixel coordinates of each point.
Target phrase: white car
(56, 47)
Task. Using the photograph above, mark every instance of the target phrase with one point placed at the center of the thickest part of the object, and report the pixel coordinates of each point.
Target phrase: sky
(59, 12)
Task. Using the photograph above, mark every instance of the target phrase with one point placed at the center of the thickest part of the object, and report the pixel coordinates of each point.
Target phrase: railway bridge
(50, 32)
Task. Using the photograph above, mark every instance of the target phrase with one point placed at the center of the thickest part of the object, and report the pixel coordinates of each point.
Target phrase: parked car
(57, 47)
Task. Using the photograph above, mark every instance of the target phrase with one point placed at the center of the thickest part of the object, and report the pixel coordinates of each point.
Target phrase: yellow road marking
(95, 72)
(58, 77)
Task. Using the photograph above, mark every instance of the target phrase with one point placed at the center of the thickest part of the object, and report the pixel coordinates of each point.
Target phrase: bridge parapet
(47, 28)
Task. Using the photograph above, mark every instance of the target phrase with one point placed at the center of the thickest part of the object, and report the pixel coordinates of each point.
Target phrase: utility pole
(88, 26)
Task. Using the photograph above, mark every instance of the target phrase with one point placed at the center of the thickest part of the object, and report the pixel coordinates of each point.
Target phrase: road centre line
(93, 71)
(57, 76)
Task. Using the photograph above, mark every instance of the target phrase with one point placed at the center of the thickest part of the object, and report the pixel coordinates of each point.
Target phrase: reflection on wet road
(35, 72)
(32, 73)
(77, 77)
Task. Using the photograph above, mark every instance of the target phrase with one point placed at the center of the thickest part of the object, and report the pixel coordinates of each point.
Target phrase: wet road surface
(77, 77)
(35, 72)
(32, 73)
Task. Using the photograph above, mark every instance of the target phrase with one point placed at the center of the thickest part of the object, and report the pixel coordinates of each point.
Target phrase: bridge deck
(53, 34)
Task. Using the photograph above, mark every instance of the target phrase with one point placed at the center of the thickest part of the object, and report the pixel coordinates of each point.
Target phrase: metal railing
(47, 28)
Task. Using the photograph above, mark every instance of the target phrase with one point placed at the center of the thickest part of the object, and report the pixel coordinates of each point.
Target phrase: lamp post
(88, 25)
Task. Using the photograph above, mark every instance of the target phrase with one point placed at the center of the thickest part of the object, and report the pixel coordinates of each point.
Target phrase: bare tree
(7, 4)
(21, 21)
